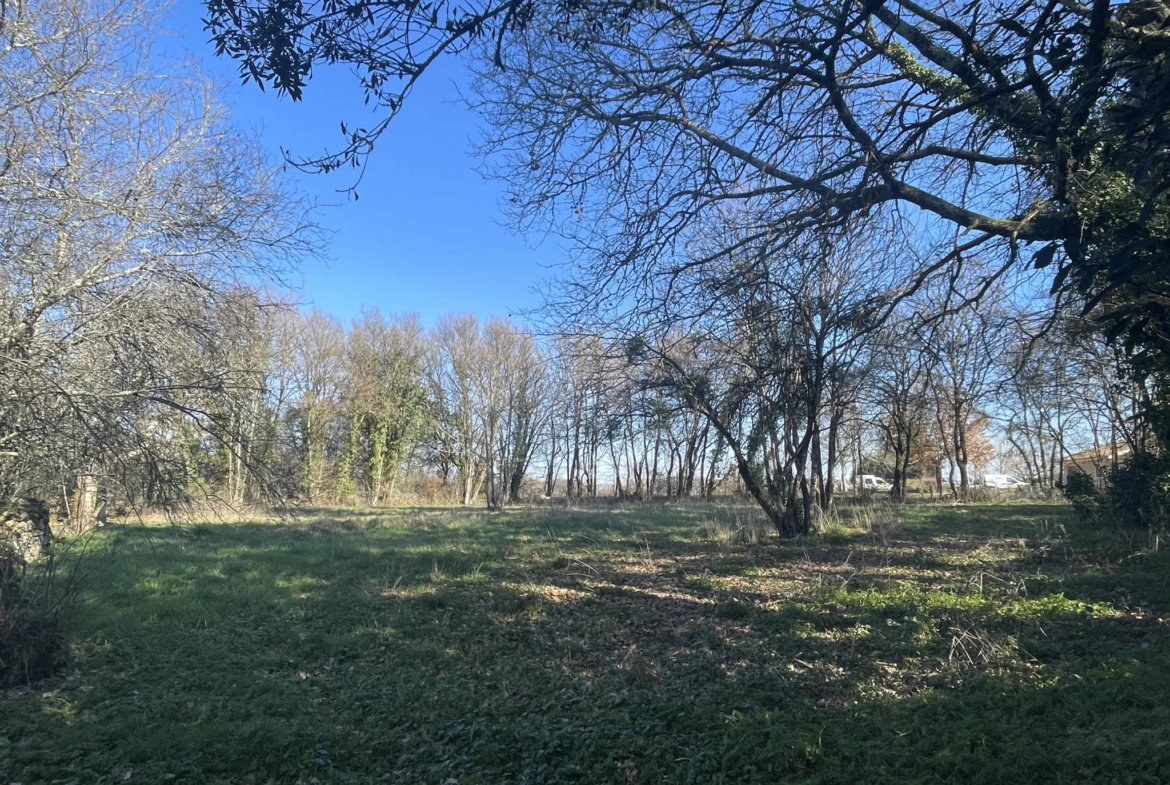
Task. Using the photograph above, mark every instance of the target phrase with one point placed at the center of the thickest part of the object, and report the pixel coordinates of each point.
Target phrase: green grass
(654, 644)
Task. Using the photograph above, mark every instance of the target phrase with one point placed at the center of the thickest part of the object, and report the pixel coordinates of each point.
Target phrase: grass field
(653, 644)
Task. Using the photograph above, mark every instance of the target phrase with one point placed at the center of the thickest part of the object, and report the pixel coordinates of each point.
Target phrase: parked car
(1003, 482)
(870, 482)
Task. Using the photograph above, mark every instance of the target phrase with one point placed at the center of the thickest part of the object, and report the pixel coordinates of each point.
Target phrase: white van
(1003, 482)
(871, 482)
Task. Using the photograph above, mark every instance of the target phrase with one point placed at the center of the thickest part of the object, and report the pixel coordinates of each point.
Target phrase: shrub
(1087, 502)
(981, 494)
(31, 645)
(1079, 485)
(1139, 491)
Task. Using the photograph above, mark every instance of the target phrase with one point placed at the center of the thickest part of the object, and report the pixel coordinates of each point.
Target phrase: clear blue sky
(427, 234)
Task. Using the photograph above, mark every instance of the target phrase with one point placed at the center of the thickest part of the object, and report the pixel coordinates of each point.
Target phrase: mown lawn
(653, 644)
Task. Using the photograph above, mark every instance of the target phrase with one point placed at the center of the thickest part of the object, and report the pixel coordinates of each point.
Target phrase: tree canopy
(138, 227)
(997, 129)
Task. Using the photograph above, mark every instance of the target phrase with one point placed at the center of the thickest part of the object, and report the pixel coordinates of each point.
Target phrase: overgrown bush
(1139, 491)
(981, 494)
(1086, 500)
(31, 644)
(1136, 493)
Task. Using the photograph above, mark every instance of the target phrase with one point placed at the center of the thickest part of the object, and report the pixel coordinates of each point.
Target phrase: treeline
(384, 410)
(783, 212)
(473, 411)
(139, 229)
(486, 412)
(144, 361)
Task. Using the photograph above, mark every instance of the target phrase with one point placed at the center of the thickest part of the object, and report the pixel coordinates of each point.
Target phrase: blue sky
(427, 235)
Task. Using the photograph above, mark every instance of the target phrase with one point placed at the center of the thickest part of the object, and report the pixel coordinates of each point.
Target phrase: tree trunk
(550, 477)
(378, 460)
(817, 469)
(85, 505)
(834, 425)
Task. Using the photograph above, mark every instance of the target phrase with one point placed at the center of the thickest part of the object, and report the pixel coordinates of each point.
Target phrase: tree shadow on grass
(499, 653)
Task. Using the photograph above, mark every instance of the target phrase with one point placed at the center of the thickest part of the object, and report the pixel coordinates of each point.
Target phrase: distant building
(1096, 462)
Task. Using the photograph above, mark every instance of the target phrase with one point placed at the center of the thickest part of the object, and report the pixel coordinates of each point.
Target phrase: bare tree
(899, 395)
(965, 366)
(317, 344)
(972, 128)
(461, 427)
(766, 362)
(522, 382)
(136, 223)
